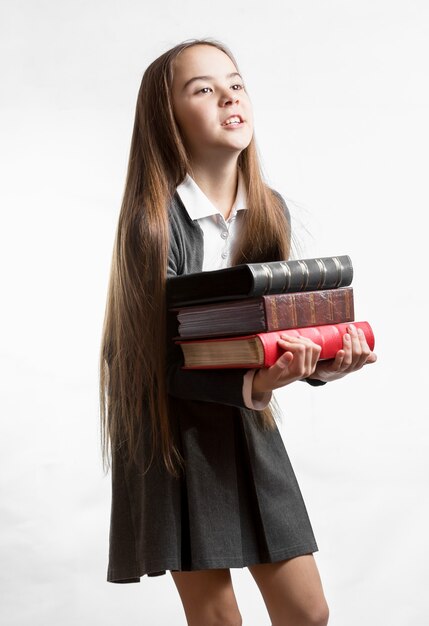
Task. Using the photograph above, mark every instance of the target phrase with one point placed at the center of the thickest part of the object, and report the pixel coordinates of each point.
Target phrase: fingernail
(347, 337)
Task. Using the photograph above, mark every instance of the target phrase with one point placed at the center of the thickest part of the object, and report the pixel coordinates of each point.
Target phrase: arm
(233, 387)
(220, 386)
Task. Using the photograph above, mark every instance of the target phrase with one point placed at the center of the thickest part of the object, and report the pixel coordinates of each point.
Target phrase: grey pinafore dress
(237, 502)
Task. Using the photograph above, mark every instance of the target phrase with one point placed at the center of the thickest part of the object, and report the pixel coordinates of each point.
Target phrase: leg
(292, 592)
(208, 597)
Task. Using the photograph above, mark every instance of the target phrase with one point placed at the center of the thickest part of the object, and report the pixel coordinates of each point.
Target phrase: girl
(201, 481)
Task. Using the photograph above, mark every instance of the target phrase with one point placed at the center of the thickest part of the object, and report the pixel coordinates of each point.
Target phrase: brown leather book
(267, 313)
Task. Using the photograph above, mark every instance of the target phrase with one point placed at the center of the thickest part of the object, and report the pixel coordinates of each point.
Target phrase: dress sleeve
(315, 382)
(218, 386)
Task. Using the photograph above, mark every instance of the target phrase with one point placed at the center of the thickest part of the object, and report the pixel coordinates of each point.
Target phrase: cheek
(191, 121)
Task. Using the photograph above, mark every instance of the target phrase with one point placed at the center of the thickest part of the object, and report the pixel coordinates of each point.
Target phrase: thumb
(284, 361)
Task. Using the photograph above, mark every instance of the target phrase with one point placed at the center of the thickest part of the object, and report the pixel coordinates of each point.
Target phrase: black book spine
(259, 279)
(301, 275)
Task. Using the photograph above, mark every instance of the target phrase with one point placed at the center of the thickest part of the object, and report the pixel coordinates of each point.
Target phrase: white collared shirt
(220, 235)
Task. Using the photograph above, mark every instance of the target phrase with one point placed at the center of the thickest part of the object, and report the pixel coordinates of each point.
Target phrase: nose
(229, 99)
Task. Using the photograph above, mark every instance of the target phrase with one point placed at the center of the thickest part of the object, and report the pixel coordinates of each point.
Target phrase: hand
(354, 355)
(298, 361)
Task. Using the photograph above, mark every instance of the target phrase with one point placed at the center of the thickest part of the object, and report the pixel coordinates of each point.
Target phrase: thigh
(207, 597)
(292, 591)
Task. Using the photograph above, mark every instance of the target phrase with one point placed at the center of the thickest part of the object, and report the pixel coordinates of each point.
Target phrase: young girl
(201, 481)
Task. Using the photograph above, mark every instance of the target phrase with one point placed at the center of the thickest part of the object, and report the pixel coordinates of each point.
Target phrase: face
(210, 103)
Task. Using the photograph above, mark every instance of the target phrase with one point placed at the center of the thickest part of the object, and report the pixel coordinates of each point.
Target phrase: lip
(224, 123)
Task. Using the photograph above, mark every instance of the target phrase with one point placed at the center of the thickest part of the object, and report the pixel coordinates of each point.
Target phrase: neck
(218, 180)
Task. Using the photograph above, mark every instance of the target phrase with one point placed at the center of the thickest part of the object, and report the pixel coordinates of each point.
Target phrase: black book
(251, 280)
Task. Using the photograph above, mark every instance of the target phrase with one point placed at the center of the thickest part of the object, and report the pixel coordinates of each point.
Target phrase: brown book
(267, 313)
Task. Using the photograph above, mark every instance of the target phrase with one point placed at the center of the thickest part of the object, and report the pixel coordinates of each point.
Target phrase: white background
(340, 92)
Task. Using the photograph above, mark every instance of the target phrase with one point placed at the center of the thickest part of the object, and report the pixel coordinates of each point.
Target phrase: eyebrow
(209, 78)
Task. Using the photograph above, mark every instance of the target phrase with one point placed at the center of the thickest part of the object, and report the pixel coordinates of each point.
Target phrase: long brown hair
(133, 394)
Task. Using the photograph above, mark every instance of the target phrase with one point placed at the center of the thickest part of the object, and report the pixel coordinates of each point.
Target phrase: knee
(313, 614)
(228, 620)
(317, 615)
(219, 616)
(224, 619)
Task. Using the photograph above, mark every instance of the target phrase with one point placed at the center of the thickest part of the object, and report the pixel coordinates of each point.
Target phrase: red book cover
(262, 349)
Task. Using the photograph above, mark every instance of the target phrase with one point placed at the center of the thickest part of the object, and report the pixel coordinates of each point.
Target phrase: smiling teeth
(233, 120)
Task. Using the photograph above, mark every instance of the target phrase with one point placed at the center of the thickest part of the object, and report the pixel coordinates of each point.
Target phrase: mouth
(233, 120)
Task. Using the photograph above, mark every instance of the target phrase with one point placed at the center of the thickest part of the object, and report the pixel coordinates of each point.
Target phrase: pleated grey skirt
(237, 502)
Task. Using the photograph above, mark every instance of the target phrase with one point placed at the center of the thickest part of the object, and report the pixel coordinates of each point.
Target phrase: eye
(239, 87)
(203, 90)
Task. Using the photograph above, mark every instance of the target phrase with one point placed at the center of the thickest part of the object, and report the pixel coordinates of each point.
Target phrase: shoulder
(186, 239)
(178, 216)
(182, 227)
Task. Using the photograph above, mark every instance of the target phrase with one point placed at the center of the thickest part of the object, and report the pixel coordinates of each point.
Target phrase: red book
(262, 349)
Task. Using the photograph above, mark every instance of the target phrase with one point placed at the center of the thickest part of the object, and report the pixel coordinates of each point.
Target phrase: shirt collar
(197, 203)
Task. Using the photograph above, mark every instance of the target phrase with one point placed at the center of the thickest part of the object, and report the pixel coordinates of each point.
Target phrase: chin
(242, 146)
(239, 143)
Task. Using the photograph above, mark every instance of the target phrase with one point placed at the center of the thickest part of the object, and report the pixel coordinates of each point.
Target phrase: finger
(298, 340)
(284, 361)
(337, 362)
(280, 367)
(268, 376)
(298, 349)
(355, 344)
(365, 349)
(371, 358)
(347, 352)
(293, 338)
(312, 356)
(360, 349)
(316, 354)
(307, 362)
(306, 355)
(288, 341)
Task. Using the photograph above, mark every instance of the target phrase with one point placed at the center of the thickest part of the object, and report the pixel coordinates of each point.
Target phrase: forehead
(201, 60)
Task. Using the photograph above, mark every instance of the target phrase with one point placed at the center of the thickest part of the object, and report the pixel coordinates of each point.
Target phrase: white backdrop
(340, 92)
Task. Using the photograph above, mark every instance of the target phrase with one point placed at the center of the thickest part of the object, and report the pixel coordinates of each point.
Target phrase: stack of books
(233, 317)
